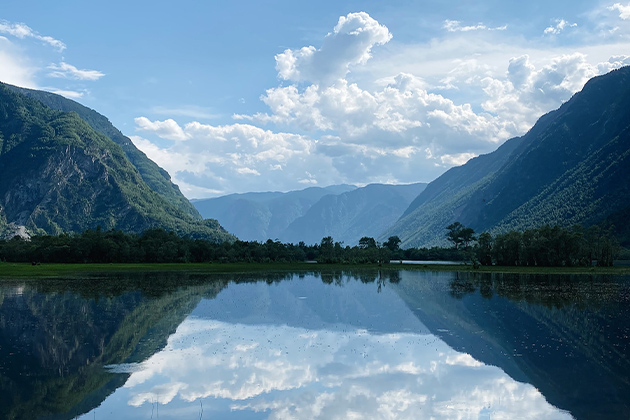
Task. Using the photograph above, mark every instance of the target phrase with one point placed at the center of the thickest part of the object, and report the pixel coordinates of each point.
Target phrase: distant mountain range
(65, 168)
(263, 215)
(572, 167)
(344, 212)
(348, 217)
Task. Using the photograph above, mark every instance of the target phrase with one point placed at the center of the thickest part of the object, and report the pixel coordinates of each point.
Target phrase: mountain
(571, 168)
(264, 215)
(61, 175)
(155, 177)
(349, 216)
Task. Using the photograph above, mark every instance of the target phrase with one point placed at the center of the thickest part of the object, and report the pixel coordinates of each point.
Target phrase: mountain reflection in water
(340, 345)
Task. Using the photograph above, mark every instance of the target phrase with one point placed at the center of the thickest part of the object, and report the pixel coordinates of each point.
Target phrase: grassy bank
(26, 271)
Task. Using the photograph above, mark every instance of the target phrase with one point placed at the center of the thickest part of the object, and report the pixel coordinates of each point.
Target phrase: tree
(484, 248)
(467, 236)
(458, 234)
(507, 248)
(393, 243)
(327, 242)
(603, 245)
(327, 251)
(367, 242)
(454, 230)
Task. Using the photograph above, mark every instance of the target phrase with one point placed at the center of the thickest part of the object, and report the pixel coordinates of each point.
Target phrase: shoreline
(24, 271)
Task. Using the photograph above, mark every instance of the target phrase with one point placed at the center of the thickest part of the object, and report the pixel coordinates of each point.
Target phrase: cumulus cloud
(243, 157)
(350, 43)
(68, 71)
(456, 26)
(233, 158)
(377, 123)
(21, 31)
(167, 129)
(457, 159)
(399, 113)
(624, 11)
(560, 26)
(15, 69)
(528, 91)
(613, 63)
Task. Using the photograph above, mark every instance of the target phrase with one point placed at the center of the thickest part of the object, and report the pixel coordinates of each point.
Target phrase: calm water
(322, 345)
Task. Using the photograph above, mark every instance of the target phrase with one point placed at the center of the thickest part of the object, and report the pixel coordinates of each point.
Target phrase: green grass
(26, 271)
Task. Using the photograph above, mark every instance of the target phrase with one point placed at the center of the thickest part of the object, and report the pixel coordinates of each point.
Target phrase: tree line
(544, 246)
(161, 246)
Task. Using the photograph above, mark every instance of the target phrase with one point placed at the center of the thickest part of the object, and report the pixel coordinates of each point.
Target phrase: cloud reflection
(286, 372)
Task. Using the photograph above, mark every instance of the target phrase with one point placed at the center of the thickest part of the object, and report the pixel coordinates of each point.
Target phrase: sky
(240, 96)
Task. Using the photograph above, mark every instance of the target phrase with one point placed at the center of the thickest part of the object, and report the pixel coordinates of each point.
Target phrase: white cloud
(349, 44)
(70, 94)
(167, 129)
(399, 114)
(613, 63)
(192, 111)
(68, 71)
(458, 159)
(233, 158)
(560, 26)
(15, 69)
(19, 66)
(528, 92)
(21, 31)
(624, 11)
(456, 26)
(247, 171)
(394, 116)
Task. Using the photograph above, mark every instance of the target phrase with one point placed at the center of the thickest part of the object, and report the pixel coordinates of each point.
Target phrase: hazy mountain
(60, 175)
(264, 215)
(347, 217)
(572, 167)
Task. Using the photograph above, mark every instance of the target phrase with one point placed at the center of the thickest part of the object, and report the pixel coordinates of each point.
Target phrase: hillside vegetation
(572, 167)
(60, 175)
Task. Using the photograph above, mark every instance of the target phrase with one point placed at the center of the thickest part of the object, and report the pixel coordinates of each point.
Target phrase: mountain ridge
(157, 178)
(60, 176)
(532, 180)
(348, 217)
(258, 216)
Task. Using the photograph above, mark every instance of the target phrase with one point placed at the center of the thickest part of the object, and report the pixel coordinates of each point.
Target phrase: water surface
(399, 344)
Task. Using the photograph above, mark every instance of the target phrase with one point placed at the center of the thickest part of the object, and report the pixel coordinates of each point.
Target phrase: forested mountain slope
(572, 167)
(60, 175)
(156, 178)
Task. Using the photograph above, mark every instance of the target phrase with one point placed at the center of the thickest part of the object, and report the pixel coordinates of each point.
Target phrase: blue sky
(254, 96)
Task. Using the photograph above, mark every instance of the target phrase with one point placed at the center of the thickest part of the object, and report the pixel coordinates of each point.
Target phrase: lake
(316, 345)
